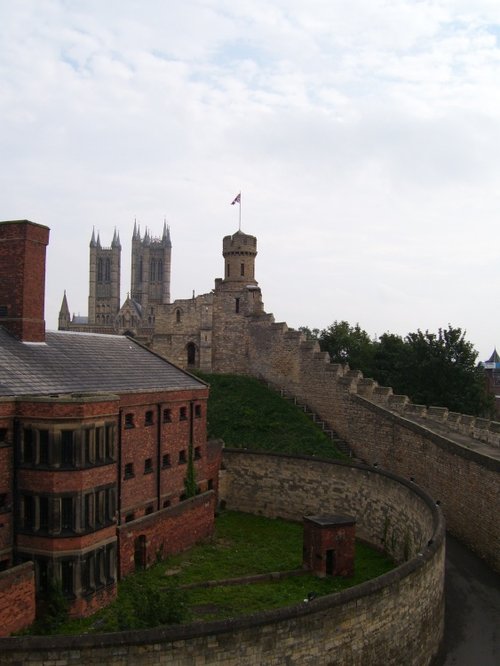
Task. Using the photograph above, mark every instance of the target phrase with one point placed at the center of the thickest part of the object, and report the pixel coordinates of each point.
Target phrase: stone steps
(338, 442)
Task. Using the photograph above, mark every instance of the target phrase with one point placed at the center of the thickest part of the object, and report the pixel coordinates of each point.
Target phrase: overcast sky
(364, 136)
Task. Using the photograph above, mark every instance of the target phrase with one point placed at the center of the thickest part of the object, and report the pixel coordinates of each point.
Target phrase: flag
(237, 199)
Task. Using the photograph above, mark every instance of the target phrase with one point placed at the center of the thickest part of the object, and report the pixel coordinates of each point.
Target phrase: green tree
(430, 368)
(310, 333)
(348, 344)
(441, 369)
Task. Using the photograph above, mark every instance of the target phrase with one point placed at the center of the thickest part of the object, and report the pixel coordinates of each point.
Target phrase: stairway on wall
(339, 443)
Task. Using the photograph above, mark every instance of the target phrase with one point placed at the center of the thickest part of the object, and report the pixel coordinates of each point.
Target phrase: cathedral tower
(104, 281)
(150, 274)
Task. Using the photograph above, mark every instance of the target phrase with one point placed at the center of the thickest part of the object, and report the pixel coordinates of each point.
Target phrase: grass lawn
(246, 414)
(243, 544)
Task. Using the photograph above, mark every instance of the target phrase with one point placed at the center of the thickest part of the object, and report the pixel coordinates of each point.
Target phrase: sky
(364, 136)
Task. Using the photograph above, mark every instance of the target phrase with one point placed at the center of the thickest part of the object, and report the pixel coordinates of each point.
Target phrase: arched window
(152, 270)
(107, 276)
(140, 269)
(159, 270)
(191, 353)
(99, 270)
(178, 316)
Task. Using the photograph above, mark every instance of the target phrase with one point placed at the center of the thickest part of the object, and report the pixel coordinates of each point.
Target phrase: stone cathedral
(209, 331)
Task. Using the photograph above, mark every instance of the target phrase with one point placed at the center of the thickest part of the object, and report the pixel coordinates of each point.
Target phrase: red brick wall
(22, 278)
(167, 532)
(141, 442)
(17, 598)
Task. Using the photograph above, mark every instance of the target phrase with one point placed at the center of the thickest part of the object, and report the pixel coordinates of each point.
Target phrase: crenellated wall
(455, 457)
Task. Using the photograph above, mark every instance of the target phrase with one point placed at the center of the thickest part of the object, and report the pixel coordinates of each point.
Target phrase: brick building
(97, 434)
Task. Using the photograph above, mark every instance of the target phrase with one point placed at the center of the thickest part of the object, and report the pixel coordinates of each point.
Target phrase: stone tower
(150, 270)
(104, 281)
(239, 252)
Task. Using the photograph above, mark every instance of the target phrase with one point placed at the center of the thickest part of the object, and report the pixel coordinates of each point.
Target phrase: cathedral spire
(166, 235)
(98, 242)
(116, 240)
(92, 240)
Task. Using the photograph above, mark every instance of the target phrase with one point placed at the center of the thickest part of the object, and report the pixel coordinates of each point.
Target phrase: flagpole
(240, 212)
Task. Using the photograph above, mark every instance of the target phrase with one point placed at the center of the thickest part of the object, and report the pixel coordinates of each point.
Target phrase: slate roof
(85, 362)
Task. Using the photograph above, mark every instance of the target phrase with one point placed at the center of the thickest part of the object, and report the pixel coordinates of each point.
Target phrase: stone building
(93, 455)
(209, 331)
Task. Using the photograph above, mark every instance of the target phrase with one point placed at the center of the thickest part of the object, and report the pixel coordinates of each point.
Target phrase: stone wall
(396, 618)
(441, 451)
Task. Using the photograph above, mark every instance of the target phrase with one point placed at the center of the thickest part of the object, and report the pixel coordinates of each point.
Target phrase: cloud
(364, 136)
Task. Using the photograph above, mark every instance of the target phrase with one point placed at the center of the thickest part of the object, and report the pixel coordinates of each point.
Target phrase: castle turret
(239, 252)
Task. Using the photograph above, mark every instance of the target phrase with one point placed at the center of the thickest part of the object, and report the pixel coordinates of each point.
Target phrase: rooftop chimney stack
(22, 279)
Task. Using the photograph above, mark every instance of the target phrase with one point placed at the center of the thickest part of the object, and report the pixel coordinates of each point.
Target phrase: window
(28, 446)
(66, 514)
(88, 519)
(43, 451)
(43, 513)
(182, 456)
(228, 271)
(3, 435)
(87, 566)
(148, 419)
(149, 510)
(129, 470)
(242, 270)
(178, 316)
(166, 460)
(210, 484)
(166, 504)
(129, 517)
(88, 447)
(236, 305)
(167, 415)
(197, 411)
(3, 311)
(29, 512)
(183, 414)
(66, 448)
(148, 465)
(129, 421)
(197, 453)
(110, 442)
(67, 577)
(3, 501)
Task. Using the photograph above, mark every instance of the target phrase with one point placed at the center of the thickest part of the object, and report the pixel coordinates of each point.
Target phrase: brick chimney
(22, 279)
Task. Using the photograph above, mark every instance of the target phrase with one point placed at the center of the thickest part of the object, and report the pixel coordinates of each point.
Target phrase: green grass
(246, 414)
(242, 545)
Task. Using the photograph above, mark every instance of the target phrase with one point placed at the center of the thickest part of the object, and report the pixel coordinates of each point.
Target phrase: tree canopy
(430, 368)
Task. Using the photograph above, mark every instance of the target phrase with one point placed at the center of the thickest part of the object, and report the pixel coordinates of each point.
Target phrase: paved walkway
(472, 620)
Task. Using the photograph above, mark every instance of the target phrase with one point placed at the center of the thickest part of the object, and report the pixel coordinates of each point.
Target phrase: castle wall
(394, 619)
(388, 430)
